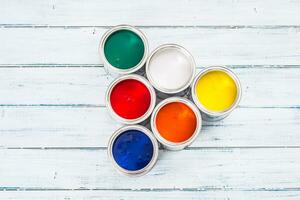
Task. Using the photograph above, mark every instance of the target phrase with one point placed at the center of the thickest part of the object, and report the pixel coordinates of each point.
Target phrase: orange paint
(176, 122)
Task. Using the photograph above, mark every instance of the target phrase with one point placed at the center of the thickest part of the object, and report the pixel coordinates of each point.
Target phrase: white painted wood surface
(150, 13)
(54, 126)
(262, 86)
(209, 45)
(149, 195)
(196, 169)
(72, 126)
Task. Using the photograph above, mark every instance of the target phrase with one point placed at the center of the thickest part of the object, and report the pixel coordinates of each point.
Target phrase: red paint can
(130, 99)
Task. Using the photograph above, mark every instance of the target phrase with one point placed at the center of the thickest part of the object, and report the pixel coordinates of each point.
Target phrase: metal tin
(172, 145)
(154, 156)
(138, 78)
(107, 65)
(178, 91)
(208, 115)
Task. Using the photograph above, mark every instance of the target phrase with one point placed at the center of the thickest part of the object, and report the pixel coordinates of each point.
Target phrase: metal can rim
(115, 29)
(174, 145)
(232, 75)
(154, 158)
(146, 114)
(185, 52)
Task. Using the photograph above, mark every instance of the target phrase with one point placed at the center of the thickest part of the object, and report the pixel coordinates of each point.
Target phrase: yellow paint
(216, 91)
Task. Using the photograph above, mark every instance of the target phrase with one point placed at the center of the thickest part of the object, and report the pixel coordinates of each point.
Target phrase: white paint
(170, 69)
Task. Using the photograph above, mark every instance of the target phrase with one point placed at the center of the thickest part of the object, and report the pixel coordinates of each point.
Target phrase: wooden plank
(203, 169)
(262, 87)
(182, 13)
(62, 127)
(53, 85)
(210, 46)
(149, 195)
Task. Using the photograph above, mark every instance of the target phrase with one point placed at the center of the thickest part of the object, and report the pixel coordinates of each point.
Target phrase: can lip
(149, 166)
(232, 75)
(176, 145)
(124, 27)
(146, 114)
(185, 52)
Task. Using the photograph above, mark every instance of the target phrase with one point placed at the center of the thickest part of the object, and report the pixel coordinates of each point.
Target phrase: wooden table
(54, 126)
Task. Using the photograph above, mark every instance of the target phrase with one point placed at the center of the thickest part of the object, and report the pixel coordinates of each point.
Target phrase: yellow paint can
(216, 91)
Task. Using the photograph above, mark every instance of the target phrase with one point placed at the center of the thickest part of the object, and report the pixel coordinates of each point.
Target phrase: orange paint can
(176, 122)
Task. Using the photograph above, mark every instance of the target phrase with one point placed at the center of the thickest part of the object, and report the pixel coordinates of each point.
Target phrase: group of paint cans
(161, 91)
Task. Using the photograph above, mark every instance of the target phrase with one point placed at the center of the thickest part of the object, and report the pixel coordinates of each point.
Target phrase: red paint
(130, 99)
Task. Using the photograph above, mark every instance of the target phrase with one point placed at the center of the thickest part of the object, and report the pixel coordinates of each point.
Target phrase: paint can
(130, 99)
(133, 150)
(217, 92)
(123, 49)
(176, 122)
(170, 68)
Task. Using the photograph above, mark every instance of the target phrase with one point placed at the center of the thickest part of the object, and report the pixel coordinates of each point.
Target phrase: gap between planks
(53, 65)
(202, 189)
(186, 149)
(153, 26)
(103, 106)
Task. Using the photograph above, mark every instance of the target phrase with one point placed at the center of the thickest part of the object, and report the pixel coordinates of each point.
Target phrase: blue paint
(132, 150)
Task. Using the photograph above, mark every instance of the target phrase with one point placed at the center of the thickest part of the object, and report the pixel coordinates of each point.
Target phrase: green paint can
(123, 49)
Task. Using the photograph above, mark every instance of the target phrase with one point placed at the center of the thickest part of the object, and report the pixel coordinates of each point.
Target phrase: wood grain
(153, 13)
(262, 87)
(209, 46)
(90, 127)
(202, 169)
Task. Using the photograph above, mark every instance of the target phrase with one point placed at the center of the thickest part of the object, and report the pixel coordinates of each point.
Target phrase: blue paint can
(133, 150)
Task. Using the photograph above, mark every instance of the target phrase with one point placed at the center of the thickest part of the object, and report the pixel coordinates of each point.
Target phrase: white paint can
(170, 68)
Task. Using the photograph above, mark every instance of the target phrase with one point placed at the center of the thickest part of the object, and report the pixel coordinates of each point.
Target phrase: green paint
(124, 49)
